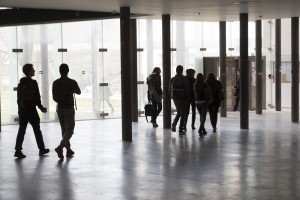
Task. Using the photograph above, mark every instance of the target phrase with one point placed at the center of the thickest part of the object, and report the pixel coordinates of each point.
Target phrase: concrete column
(134, 73)
(295, 69)
(244, 72)
(223, 65)
(278, 65)
(259, 71)
(126, 74)
(166, 40)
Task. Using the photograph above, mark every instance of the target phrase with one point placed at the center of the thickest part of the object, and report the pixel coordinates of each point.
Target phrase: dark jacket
(63, 90)
(215, 88)
(154, 82)
(191, 81)
(200, 95)
(179, 88)
(23, 86)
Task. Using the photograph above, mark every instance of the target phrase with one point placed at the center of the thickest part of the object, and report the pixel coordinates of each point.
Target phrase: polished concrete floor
(260, 163)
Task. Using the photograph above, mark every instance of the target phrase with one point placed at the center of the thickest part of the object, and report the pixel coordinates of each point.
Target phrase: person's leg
(210, 108)
(183, 110)
(61, 118)
(203, 114)
(69, 125)
(187, 112)
(236, 104)
(20, 137)
(154, 114)
(193, 114)
(34, 120)
(176, 119)
(215, 116)
(110, 105)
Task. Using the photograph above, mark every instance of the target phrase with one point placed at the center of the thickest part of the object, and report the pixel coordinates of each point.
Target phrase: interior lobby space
(262, 162)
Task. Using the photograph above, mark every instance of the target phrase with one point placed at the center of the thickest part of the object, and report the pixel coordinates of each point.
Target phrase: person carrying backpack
(28, 97)
(155, 93)
(63, 90)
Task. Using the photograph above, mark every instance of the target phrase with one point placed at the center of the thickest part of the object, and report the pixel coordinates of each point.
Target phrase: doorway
(211, 65)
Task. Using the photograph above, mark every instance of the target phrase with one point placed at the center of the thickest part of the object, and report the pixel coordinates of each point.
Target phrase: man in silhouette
(180, 93)
(28, 97)
(63, 90)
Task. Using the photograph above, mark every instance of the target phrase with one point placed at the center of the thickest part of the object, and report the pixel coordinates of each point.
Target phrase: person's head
(156, 70)
(200, 78)
(63, 69)
(190, 72)
(179, 69)
(28, 70)
(211, 76)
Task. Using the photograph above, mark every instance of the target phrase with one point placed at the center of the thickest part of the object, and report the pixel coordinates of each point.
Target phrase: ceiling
(210, 10)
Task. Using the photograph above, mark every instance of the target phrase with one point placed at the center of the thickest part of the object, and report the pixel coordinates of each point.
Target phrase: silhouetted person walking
(28, 97)
(155, 93)
(236, 93)
(202, 99)
(63, 90)
(213, 108)
(180, 93)
(190, 75)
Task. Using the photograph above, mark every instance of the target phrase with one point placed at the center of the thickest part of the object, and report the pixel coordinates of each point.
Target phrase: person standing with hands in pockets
(63, 90)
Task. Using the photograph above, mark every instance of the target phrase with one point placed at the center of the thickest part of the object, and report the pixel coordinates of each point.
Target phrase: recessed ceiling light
(4, 8)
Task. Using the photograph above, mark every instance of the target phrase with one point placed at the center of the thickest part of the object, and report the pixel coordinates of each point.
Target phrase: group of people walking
(28, 98)
(188, 92)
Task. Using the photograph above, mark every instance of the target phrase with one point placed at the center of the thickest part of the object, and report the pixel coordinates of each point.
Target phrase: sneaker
(44, 151)
(154, 124)
(173, 129)
(19, 154)
(59, 152)
(70, 153)
(181, 132)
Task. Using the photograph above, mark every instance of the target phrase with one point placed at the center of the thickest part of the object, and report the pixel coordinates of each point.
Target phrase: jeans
(66, 118)
(192, 104)
(31, 115)
(157, 110)
(202, 109)
(213, 110)
(181, 109)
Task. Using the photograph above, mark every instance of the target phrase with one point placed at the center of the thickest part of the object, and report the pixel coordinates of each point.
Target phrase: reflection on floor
(260, 163)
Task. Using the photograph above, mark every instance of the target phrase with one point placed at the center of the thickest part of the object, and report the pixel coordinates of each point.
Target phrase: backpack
(27, 96)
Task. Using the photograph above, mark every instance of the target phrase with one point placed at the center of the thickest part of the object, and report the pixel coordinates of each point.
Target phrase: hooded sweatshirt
(26, 83)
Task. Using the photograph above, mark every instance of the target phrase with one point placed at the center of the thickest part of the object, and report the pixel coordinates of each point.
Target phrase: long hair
(199, 83)
(211, 76)
(156, 70)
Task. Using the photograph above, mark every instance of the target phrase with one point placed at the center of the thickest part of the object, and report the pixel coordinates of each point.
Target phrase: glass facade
(92, 51)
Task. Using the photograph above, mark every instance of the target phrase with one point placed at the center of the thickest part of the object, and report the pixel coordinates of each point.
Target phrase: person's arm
(54, 95)
(159, 90)
(76, 88)
(38, 97)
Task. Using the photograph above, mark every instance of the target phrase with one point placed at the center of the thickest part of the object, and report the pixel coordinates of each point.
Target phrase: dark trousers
(157, 110)
(213, 110)
(202, 109)
(31, 116)
(181, 109)
(66, 118)
(192, 104)
(236, 103)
